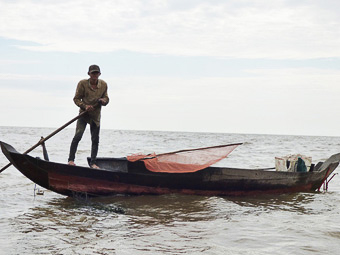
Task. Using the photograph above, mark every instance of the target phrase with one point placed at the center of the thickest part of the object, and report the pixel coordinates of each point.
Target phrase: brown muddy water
(300, 223)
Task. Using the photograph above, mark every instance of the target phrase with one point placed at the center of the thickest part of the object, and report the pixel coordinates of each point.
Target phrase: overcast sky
(236, 66)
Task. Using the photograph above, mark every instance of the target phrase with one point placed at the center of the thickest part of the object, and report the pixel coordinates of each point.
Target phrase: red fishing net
(184, 161)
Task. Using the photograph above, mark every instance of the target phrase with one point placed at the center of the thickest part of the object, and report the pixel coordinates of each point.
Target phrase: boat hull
(119, 176)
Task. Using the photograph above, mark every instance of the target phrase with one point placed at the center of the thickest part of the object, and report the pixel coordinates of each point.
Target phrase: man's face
(94, 75)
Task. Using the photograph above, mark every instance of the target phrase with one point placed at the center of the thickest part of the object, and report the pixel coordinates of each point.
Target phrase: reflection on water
(296, 202)
(169, 224)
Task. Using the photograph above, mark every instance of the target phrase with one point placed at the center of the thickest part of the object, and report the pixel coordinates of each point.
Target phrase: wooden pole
(48, 137)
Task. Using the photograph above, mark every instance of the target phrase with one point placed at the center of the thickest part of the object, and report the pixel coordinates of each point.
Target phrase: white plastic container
(289, 163)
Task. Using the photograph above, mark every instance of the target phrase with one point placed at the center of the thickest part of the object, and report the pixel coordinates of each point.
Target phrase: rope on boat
(37, 191)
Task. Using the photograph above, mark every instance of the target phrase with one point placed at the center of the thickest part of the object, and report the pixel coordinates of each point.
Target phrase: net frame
(176, 162)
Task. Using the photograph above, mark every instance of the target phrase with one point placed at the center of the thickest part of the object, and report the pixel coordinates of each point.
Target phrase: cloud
(272, 101)
(28, 77)
(4, 62)
(236, 29)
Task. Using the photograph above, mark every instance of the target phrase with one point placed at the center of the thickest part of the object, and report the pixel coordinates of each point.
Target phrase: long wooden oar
(48, 137)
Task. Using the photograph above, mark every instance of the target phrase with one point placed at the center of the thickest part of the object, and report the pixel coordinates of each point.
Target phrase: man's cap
(94, 68)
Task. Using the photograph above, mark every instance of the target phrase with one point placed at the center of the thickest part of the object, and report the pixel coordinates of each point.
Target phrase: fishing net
(184, 161)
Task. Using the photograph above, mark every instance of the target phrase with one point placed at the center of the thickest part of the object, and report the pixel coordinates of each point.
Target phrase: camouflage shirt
(86, 95)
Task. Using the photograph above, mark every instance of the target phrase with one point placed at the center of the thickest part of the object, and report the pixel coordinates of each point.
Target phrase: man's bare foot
(95, 166)
(71, 163)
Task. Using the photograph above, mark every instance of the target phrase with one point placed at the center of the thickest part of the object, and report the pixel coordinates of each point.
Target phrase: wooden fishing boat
(120, 176)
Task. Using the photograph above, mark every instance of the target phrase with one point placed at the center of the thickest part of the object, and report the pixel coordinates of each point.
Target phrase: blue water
(301, 223)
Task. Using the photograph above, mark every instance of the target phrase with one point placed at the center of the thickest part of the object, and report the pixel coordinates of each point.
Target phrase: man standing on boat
(90, 95)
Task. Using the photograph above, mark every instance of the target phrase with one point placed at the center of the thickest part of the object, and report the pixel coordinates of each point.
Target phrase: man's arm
(80, 92)
(104, 100)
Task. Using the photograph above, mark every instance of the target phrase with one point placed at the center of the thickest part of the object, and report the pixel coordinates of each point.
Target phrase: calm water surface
(301, 223)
